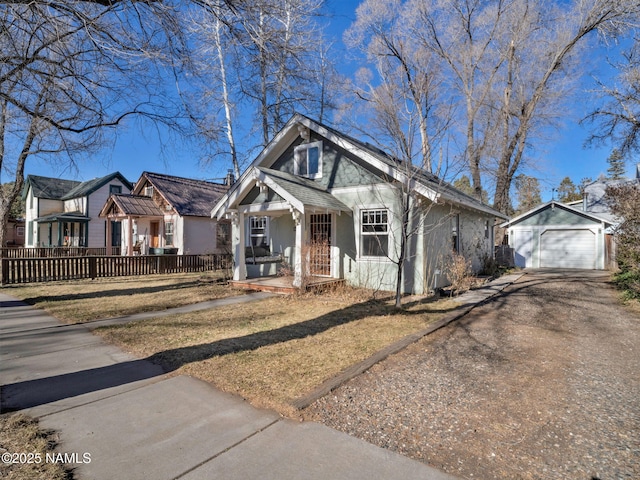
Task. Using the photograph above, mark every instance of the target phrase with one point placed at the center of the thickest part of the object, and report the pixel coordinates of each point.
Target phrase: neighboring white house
(62, 212)
(168, 214)
(314, 192)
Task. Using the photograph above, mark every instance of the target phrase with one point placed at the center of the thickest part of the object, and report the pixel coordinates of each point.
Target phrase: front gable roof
(188, 197)
(541, 210)
(302, 191)
(87, 188)
(134, 205)
(420, 181)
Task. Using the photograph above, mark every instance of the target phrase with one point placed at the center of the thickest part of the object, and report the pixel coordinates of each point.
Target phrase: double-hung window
(308, 160)
(374, 233)
(259, 231)
(168, 233)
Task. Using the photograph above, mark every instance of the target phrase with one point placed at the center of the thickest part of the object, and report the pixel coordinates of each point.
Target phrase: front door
(155, 235)
(320, 244)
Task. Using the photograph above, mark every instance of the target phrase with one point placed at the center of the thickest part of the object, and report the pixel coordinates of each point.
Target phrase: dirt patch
(540, 383)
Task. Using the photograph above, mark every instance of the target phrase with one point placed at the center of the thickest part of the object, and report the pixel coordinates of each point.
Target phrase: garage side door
(523, 247)
(568, 249)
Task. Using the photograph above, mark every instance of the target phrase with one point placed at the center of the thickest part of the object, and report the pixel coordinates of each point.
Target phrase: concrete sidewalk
(122, 417)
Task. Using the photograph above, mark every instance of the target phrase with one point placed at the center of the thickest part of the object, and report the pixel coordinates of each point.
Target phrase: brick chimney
(229, 179)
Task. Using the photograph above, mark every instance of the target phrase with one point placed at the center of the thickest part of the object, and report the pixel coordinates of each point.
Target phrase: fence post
(5, 270)
(93, 267)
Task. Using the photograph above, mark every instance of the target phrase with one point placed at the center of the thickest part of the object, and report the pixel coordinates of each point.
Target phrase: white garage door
(568, 249)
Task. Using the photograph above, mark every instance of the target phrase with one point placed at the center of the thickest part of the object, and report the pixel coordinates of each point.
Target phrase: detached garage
(555, 235)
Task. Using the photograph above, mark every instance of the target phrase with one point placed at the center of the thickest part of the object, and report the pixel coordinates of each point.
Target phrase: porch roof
(63, 217)
(132, 205)
(298, 193)
(295, 188)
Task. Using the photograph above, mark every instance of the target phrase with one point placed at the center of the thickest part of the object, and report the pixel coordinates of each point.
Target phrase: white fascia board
(239, 190)
(278, 145)
(393, 172)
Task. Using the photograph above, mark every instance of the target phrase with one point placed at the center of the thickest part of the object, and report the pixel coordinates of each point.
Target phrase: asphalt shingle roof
(187, 196)
(60, 189)
(85, 188)
(50, 188)
(306, 191)
(446, 190)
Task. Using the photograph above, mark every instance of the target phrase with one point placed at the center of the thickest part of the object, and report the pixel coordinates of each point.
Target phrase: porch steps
(283, 285)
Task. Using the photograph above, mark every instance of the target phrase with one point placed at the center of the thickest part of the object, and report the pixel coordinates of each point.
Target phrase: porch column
(298, 272)
(130, 236)
(239, 264)
(108, 240)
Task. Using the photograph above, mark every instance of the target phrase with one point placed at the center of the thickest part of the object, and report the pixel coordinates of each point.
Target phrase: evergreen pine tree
(616, 165)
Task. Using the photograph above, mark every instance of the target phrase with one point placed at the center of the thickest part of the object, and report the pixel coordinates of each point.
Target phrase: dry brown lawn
(276, 350)
(21, 434)
(86, 300)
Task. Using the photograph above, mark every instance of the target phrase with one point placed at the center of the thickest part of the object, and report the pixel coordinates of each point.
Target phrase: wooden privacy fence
(27, 270)
(46, 252)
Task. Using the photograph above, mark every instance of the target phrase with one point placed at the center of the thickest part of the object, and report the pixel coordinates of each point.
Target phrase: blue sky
(136, 150)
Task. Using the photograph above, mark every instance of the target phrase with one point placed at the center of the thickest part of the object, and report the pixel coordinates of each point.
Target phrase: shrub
(629, 281)
(459, 273)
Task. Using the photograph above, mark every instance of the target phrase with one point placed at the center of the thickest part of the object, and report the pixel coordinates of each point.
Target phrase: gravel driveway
(542, 382)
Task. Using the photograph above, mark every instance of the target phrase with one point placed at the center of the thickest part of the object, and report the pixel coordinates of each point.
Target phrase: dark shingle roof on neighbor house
(187, 196)
(90, 186)
(60, 189)
(49, 188)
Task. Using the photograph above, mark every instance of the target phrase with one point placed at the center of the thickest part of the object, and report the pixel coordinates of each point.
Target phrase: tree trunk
(226, 101)
(404, 234)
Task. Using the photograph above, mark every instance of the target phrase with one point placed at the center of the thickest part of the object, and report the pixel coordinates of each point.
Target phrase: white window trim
(298, 158)
(389, 234)
(455, 229)
(172, 233)
(266, 229)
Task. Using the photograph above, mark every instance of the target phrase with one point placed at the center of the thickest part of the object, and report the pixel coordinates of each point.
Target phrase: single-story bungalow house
(167, 214)
(323, 204)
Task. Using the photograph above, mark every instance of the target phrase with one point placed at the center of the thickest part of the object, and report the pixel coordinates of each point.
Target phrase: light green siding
(339, 167)
(556, 216)
(255, 196)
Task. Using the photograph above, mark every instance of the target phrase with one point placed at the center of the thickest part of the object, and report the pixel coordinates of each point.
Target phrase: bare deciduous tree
(401, 92)
(509, 65)
(618, 119)
(266, 57)
(69, 71)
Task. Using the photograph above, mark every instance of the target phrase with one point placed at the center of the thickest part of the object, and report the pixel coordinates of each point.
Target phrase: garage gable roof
(545, 214)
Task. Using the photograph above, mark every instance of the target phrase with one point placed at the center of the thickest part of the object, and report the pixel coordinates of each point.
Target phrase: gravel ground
(543, 382)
